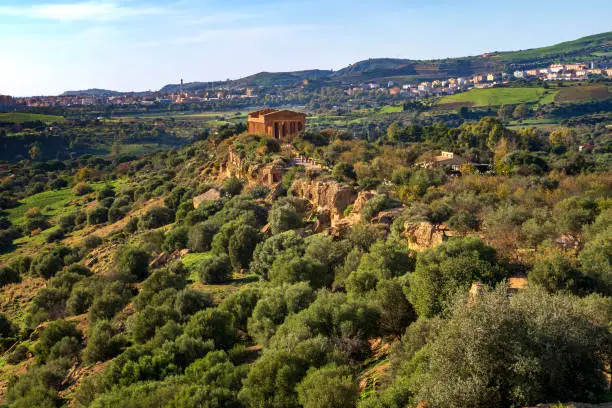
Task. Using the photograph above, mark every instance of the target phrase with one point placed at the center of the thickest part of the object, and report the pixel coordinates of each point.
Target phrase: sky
(50, 46)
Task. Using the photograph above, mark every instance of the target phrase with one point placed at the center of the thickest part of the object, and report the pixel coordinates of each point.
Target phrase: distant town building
(276, 123)
(6, 101)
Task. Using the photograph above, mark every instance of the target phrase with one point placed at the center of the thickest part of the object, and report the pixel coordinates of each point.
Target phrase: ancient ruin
(276, 123)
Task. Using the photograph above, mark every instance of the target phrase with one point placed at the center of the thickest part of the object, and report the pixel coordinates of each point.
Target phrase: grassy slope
(501, 96)
(21, 117)
(562, 48)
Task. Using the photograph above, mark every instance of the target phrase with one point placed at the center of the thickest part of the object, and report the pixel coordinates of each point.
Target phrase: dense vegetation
(117, 291)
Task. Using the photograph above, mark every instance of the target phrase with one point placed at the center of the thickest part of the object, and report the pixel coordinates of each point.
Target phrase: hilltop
(597, 46)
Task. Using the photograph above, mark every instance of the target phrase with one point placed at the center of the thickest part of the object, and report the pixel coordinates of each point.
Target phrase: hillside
(92, 92)
(382, 69)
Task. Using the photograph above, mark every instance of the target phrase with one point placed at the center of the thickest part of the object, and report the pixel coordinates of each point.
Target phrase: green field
(391, 109)
(500, 96)
(52, 203)
(21, 117)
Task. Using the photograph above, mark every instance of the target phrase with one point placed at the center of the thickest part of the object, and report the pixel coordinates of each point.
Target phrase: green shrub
(215, 269)
(8, 275)
(131, 264)
(82, 188)
(156, 217)
(97, 215)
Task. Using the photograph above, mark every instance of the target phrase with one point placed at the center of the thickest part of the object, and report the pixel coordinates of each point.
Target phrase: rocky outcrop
(210, 195)
(326, 196)
(362, 198)
(423, 235)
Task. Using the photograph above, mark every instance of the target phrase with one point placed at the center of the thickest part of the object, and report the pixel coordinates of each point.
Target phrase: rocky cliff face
(423, 235)
(326, 196)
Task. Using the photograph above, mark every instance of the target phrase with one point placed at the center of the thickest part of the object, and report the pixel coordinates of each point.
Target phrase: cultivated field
(21, 117)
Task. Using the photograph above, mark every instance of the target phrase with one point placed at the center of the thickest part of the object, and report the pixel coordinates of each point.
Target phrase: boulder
(210, 195)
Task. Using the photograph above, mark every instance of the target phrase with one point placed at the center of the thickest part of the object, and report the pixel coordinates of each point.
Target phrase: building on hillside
(445, 159)
(532, 72)
(575, 67)
(519, 74)
(276, 123)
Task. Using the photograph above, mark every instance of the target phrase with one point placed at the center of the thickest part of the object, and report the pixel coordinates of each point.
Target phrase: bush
(18, 355)
(67, 222)
(33, 219)
(216, 269)
(51, 337)
(97, 215)
(232, 186)
(132, 225)
(55, 235)
(375, 205)
(330, 386)
(102, 343)
(156, 217)
(8, 275)
(106, 192)
(47, 265)
(200, 236)
(131, 264)
(82, 188)
(92, 241)
(7, 330)
(176, 238)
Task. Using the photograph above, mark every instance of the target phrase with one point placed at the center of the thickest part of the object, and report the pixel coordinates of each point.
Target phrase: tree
(241, 246)
(35, 152)
(131, 264)
(291, 268)
(498, 352)
(463, 222)
(283, 217)
(156, 217)
(215, 269)
(596, 261)
(520, 111)
(268, 251)
(102, 343)
(274, 306)
(448, 268)
(330, 386)
(573, 213)
(555, 274)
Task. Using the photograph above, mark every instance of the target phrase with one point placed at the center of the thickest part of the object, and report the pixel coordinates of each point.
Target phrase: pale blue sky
(49, 46)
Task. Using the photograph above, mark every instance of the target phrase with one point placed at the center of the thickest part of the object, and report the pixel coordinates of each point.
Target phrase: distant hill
(260, 79)
(92, 92)
(594, 47)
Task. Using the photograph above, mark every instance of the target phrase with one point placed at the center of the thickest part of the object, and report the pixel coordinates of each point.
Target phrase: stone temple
(276, 123)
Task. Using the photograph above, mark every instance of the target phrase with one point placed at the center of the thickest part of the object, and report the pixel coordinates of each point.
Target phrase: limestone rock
(326, 195)
(210, 195)
(423, 235)
(322, 223)
(362, 198)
